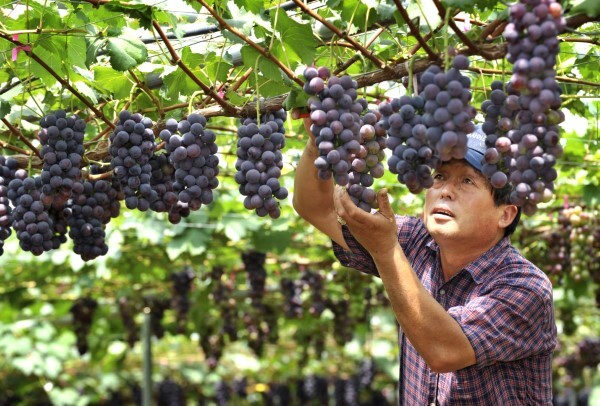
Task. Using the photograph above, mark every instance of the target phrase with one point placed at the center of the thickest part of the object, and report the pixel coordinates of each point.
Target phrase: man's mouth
(442, 211)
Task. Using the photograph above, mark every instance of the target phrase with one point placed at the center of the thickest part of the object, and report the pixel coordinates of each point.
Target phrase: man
(476, 318)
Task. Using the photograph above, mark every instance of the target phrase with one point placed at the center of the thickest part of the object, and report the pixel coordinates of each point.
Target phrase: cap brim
(474, 159)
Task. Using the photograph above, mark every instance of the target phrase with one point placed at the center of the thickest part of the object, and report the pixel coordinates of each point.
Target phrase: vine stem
(474, 49)
(564, 79)
(356, 45)
(146, 90)
(175, 59)
(415, 31)
(6, 145)
(355, 57)
(59, 79)
(446, 41)
(25, 140)
(264, 52)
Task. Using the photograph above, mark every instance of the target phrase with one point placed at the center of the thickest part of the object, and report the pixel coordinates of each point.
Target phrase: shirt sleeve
(511, 322)
(357, 257)
(411, 234)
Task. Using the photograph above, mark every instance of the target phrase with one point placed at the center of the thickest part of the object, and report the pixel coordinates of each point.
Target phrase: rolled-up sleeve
(357, 257)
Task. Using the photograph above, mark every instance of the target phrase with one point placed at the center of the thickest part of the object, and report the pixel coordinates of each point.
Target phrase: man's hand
(376, 232)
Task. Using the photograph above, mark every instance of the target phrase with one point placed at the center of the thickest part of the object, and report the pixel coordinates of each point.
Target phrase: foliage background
(166, 59)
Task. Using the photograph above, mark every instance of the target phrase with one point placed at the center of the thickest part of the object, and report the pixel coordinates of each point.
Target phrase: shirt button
(442, 292)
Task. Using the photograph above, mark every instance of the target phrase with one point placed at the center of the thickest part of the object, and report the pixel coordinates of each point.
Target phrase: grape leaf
(470, 5)
(265, 66)
(4, 108)
(193, 241)
(295, 36)
(591, 8)
(125, 52)
(87, 91)
(140, 12)
(52, 55)
(112, 81)
(254, 6)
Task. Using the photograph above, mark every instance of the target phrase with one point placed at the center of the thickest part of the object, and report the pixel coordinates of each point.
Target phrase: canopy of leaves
(168, 59)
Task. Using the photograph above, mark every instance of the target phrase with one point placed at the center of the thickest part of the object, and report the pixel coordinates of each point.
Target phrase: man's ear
(509, 212)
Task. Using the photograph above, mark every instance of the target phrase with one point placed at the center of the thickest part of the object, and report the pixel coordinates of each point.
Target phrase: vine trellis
(488, 45)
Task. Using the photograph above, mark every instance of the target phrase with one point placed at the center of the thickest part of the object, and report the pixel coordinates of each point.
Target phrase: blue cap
(476, 148)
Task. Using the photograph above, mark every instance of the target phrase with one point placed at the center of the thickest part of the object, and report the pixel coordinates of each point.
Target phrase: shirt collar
(479, 268)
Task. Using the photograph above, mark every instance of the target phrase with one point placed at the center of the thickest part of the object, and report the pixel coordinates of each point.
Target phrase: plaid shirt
(503, 304)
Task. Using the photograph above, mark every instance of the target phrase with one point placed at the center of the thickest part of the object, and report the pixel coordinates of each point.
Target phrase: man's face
(459, 207)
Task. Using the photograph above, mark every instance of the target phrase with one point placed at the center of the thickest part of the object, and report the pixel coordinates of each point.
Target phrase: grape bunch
(501, 111)
(342, 322)
(260, 161)
(223, 393)
(180, 302)
(38, 229)
(254, 264)
(83, 310)
(8, 166)
(170, 393)
(212, 344)
(367, 369)
(221, 296)
(162, 181)
(126, 309)
(132, 144)
(367, 163)
(350, 144)
(292, 291)
(532, 36)
(448, 113)
(192, 151)
(335, 116)
(62, 154)
(239, 387)
(314, 281)
(313, 388)
(345, 392)
(413, 158)
(157, 306)
(88, 213)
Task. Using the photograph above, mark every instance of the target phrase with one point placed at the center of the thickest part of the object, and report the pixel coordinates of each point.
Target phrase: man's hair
(502, 196)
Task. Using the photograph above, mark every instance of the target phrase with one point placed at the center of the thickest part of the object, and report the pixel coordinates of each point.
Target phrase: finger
(338, 196)
(348, 209)
(384, 201)
(299, 113)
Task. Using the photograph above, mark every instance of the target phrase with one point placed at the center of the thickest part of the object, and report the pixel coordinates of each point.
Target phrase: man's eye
(437, 176)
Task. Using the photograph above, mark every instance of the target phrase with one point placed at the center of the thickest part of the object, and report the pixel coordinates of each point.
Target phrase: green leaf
(126, 52)
(269, 240)
(296, 37)
(254, 6)
(194, 241)
(115, 83)
(591, 195)
(470, 5)
(235, 230)
(16, 346)
(76, 51)
(266, 67)
(354, 12)
(4, 108)
(591, 8)
(52, 367)
(51, 53)
(87, 91)
(140, 12)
